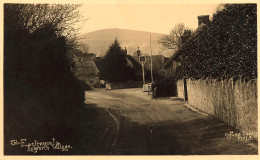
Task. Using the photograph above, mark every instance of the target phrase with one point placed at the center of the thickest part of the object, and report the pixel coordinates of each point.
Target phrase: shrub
(166, 87)
(226, 47)
(41, 92)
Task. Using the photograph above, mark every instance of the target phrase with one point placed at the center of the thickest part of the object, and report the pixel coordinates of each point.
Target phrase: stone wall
(180, 89)
(234, 103)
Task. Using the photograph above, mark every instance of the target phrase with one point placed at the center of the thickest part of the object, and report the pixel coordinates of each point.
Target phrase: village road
(145, 126)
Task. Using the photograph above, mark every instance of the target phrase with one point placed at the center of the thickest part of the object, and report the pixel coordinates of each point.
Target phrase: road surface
(145, 126)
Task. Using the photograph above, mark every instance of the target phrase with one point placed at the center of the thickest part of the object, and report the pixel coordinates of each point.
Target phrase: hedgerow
(226, 47)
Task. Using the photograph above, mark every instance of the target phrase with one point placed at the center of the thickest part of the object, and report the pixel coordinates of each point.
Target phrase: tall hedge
(226, 47)
(40, 91)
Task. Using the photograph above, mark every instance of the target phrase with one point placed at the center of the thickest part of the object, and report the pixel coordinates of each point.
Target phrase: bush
(226, 47)
(84, 86)
(166, 87)
(41, 92)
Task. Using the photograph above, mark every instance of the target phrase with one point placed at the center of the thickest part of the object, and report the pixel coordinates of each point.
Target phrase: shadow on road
(93, 132)
(196, 137)
(90, 133)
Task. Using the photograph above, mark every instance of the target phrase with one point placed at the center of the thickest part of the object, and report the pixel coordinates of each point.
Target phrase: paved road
(144, 126)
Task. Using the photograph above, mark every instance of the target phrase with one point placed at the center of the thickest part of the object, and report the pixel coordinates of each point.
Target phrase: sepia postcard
(121, 79)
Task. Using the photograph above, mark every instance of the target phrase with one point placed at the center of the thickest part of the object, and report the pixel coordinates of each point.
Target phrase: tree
(64, 18)
(34, 16)
(38, 81)
(173, 40)
(114, 66)
(84, 47)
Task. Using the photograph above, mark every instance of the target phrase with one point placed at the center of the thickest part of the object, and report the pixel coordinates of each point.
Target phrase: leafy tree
(114, 67)
(226, 47)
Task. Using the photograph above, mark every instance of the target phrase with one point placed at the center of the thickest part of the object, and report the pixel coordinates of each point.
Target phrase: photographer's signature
(36, 146)
(238, 136)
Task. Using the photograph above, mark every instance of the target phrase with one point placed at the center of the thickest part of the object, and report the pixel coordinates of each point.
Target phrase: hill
(100, 40)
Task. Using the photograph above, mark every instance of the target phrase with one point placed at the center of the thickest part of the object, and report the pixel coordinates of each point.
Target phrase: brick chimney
(203, 19)
(138, 52)
(125, 51)
(185, 36)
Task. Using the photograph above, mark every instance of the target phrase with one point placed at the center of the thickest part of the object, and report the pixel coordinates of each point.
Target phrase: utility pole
(151, 58)
(143, 72)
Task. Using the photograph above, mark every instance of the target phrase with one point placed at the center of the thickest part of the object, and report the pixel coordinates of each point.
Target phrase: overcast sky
(159, 18)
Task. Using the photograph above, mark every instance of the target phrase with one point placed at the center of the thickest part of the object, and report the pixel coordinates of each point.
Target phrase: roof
(178, 52)
(167, 63)
(167, 52)
(88, 56)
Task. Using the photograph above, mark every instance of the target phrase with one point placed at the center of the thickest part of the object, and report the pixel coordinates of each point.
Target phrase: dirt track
(144, 126)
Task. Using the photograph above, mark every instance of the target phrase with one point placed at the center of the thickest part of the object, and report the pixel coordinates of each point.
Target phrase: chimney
(125, 51)
(203, 19)
(185, 36)
(138, 53)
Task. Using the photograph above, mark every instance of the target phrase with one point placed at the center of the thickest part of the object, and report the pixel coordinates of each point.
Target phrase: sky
(159, 18)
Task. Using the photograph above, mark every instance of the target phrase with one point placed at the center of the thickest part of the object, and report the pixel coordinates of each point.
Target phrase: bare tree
(84, 47)
(64, 17)
(173, 40)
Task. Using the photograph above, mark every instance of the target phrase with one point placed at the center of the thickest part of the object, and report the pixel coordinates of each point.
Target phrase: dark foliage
(40, 91)
(84, 86)
(156, 75)
(137, 68)
(114, 67)
(166, 87)
(136, 64)
(226, 47)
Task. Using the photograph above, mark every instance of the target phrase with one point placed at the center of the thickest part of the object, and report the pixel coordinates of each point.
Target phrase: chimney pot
(125, 51)
(138, 53)
(185, 36)
(203, 19)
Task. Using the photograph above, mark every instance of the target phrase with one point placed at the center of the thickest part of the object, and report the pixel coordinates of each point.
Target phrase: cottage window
(174, 66)
(178, 64)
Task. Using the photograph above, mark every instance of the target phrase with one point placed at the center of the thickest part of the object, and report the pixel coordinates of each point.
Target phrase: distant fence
(122, 85)
(234, 103)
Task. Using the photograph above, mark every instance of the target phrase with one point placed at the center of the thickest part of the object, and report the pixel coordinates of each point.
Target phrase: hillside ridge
(99, 41)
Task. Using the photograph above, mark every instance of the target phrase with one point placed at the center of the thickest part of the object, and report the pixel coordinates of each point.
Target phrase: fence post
(185, 89)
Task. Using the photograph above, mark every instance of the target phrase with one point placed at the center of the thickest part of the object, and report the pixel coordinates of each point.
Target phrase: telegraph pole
(143, 72)
(151, 59)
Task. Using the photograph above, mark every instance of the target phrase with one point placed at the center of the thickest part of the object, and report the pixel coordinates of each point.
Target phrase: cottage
(158, 61)
(85, 68)
(175, 65)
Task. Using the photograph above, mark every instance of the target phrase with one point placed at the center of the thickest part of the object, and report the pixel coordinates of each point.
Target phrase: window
(178, 64)
(173, 66)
